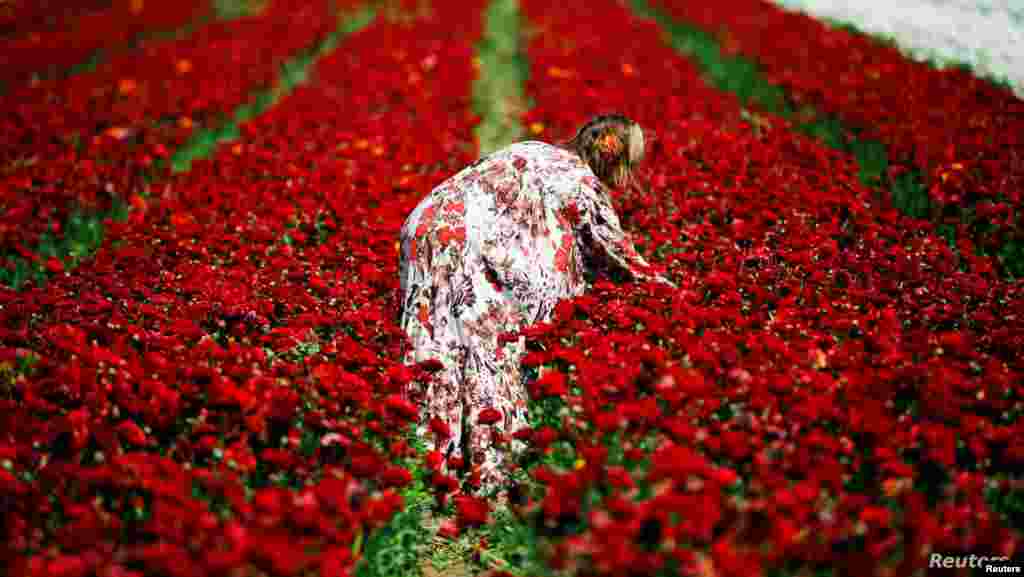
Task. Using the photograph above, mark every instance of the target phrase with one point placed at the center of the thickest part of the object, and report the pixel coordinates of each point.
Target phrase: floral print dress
(489, 251)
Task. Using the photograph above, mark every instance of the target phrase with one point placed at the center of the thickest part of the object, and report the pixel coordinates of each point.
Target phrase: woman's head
(612, 145)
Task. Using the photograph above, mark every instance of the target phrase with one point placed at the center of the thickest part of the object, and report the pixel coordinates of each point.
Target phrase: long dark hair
(611, 144)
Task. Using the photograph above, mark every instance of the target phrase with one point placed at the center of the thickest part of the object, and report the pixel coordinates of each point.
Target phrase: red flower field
(833, 388)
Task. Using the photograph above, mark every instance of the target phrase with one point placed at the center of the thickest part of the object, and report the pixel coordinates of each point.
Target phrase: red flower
(54, 265)
(433, 460)
(677, 462)
(383, 507)
(440, 429)
(131, 432)
(68, 566)
(395, 476)
(282, 555)
(471, 511)
(336, 561)
(444, 483)
(402, 407)
(552, 384)
(489, 416)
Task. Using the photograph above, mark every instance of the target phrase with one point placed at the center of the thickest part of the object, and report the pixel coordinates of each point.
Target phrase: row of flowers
(830, 388)
(84, 142)
(963, 133)
(44, 39)
(219, 390)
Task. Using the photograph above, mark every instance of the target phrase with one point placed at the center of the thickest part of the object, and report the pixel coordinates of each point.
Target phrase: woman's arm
(602, 239)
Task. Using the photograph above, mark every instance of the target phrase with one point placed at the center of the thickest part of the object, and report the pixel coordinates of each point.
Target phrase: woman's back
(492, 250)
(509, 213)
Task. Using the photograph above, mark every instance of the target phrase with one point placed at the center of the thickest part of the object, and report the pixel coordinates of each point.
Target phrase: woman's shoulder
(533, 160)
(534, 155)
(538, 149)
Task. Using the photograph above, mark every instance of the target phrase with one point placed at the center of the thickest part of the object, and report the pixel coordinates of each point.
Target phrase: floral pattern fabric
(489, 251)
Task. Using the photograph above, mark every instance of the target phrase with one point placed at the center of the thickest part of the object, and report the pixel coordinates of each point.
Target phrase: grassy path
(499, 93)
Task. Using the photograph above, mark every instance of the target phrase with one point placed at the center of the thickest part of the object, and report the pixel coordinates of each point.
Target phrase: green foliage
(873, 160)
(234, 9)
(513, 545)
(828, 130)
(1011, 255)
(83, 235)
(395, 549)
(508, 542)
(909, 195)
(1009, 504)
(89, 64)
